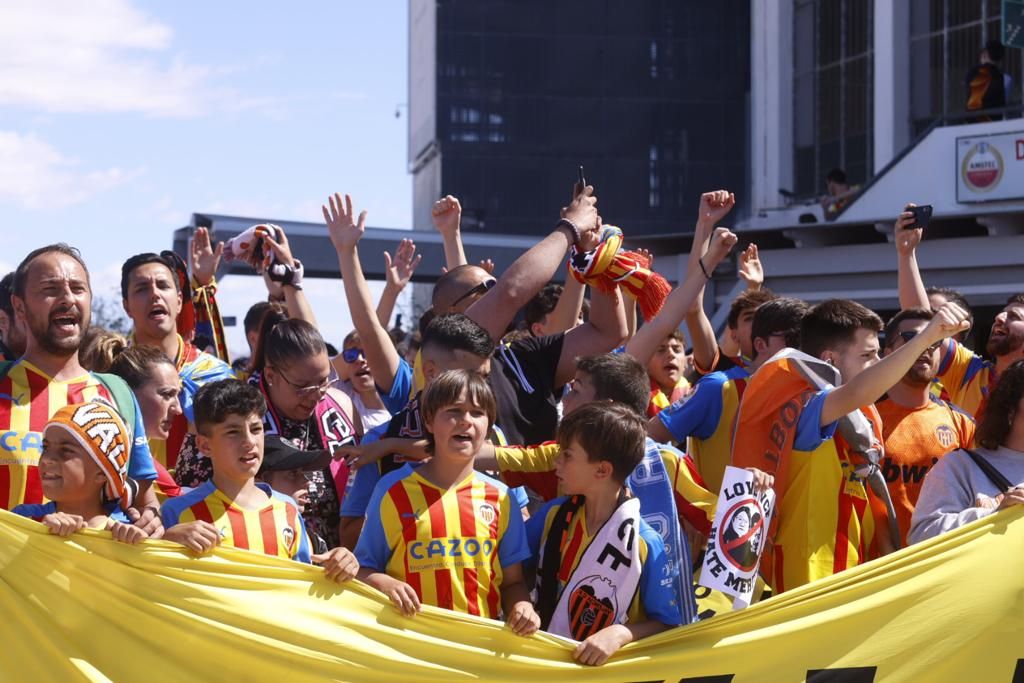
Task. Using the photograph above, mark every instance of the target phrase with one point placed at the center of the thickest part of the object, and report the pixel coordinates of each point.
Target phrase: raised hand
(399, 270)
(582, 211)
(205, 258)
(905, 236)
(750, 269)
(948, 321)
(281, 250)
(714, 206)
(343, 227)
(447, 215)
(722, 242)
(488, 265)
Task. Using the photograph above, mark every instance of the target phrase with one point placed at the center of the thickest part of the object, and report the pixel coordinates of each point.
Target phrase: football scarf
(650, 485)
(333, 425)
(601, 588)
(608, 267)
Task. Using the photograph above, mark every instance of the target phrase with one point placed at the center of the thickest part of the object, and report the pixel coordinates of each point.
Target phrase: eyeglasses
(352, 355)
(479, 290)
(310, 390)
(910, 334)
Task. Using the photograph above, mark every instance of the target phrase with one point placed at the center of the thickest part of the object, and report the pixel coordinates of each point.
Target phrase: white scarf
(602, 587)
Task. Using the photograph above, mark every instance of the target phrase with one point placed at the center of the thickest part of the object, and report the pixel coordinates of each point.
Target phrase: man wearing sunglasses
(917, 427)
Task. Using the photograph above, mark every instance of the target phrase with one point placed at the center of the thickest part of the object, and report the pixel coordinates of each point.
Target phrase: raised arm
(294, 298)
(906, 237)
(531, 271)
(345, 231)
(567, 311)
(605, 330)
(643, 345)
(398, 271)
(447, 216)
(714, 206)
(751, 272)
(869, 385)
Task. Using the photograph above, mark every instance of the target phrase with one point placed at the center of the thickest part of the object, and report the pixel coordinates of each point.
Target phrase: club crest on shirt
(289, 537)
(487, 513)
(945, 435)
(591, 606)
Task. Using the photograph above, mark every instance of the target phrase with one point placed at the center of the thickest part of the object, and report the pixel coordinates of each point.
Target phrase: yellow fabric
(948, 609)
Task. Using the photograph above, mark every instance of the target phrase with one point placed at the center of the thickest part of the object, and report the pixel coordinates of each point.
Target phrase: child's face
(668, 362)
(66, 472)
(581, 390)
(235, 446)
(459, 429)
(291, 483)
(576, 473)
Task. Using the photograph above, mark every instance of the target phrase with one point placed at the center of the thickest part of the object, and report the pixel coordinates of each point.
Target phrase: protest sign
(737, 536)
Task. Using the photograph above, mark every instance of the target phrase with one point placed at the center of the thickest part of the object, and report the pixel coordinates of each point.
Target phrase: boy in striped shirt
(231, 508)
(444, 534)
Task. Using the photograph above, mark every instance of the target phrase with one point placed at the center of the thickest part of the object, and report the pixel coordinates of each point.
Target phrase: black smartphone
(922, 216)
(582, 180)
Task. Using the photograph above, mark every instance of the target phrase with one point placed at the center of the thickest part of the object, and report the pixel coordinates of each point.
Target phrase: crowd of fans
(532, 453)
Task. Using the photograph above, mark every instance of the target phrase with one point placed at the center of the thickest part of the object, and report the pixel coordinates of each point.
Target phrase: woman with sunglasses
(356, 380)
(970, 484)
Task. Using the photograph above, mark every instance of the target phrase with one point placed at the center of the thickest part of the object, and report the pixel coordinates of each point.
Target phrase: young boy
(444, 534)
(83, 471)
(600, 565)
(231, 508)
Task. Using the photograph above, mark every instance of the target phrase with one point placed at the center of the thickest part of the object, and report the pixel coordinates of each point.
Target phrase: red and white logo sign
(982, 167)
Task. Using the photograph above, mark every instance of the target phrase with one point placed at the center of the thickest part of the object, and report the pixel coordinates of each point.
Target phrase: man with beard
(12, 335)
(152, 297)
(917, 427)
(967, 377)
(52, 300)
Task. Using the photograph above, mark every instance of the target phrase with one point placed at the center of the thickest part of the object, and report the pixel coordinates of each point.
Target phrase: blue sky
(120, 118)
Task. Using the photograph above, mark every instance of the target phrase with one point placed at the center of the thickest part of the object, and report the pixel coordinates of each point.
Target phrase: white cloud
(97, 56)
(34, 174)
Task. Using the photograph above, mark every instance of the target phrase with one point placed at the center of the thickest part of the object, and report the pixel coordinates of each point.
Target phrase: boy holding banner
(600, 565)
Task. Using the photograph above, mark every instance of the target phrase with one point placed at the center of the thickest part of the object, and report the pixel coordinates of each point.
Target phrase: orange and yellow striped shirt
(28, 398)
(450, 545)
(276, 529)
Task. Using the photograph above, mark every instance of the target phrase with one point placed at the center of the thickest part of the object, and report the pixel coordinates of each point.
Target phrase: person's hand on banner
(198, 536)
(63, 524)
(595, 650)
(399, 593)
(523, 619)
(339, 564)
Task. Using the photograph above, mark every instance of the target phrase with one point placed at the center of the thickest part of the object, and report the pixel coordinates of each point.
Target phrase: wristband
(702, 268)
(572, 228)
(286, 275)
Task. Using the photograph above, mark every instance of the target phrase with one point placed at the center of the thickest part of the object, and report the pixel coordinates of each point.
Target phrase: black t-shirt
(523, 379)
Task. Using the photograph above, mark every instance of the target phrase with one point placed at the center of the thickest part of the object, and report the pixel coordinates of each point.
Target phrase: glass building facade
(832, 90)
(651, 97)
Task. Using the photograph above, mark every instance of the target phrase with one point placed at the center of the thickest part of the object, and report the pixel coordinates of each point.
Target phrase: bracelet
(704, 270)
(572, 228)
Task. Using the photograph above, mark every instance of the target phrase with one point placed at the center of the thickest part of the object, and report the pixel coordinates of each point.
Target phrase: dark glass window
(833, 91)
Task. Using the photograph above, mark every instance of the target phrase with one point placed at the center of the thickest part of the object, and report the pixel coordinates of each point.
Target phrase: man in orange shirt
(917, 427)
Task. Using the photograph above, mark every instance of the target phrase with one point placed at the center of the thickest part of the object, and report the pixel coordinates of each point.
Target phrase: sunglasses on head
(480, 289)
(910, 334)
(352, 355)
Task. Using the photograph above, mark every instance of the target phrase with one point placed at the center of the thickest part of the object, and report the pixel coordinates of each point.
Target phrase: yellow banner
(89, 609)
